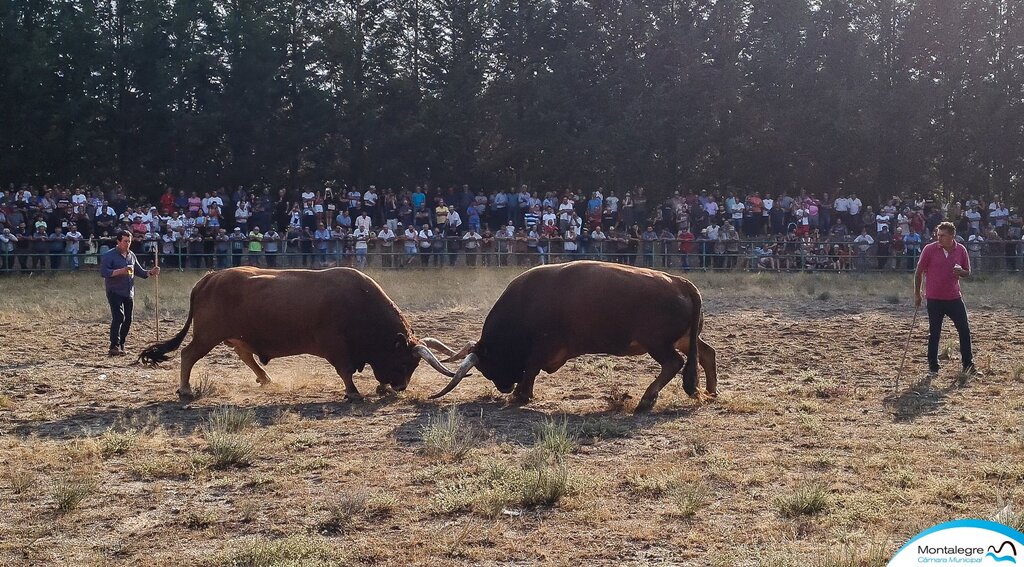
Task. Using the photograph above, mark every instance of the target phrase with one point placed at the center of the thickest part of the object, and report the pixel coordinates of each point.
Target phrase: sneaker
(973, 371)
(121, 348)
(931, 374)
(114, 351)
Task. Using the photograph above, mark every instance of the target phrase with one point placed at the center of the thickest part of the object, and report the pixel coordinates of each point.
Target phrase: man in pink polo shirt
(942, 264)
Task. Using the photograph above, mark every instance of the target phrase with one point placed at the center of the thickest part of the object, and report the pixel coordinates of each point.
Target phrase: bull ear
(401, 341)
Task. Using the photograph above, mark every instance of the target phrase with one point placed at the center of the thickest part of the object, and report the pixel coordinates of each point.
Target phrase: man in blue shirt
(119, 268)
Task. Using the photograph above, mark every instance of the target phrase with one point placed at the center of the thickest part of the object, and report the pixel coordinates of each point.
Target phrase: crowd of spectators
(58, 227)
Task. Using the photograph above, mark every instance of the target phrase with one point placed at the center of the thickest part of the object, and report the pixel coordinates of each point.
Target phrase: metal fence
(745, 255)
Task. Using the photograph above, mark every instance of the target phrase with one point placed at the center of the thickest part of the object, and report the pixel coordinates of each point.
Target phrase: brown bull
(338, 314)
(551, 314)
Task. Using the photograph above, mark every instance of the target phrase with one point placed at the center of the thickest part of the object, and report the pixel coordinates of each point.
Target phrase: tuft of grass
(449, 436)
(228, 446)
(501, 487)
(230, 449)
(544, 486)
(552, 436)
(6, 402)
(690, 499)
(203, 387)
(231, 420)
(652, 485)
(68, 494)
(341, 512)
(200, 519)
(824, 296)
(21, 479)
(875, 554)
(114, 443)
(892, 299)
(292, 551)
(806, 500)
(601, 428)
(348, 510)
(1018, 373)
(151, 466)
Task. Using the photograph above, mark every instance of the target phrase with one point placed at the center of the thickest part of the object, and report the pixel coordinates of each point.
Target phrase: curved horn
(435, 344)
(468, 363)
(424, 353)
(459, 355)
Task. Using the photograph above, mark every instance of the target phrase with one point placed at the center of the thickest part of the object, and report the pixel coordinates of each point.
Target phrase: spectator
(387, 238)
(471, 241)
(361, 236)
(864, 241)
(409, 243)
(255, 246)
(73, 246)
(322, 241)
(424, 239)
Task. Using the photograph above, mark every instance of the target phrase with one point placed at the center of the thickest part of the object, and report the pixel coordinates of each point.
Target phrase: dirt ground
(103, 466)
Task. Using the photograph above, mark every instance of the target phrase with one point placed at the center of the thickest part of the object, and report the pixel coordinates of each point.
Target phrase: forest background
(875, 97)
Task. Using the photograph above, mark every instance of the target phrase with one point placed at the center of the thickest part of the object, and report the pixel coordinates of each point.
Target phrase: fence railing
(842, 256)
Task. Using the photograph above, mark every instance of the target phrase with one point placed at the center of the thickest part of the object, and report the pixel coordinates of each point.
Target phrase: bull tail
(157, 352)
(690, 370)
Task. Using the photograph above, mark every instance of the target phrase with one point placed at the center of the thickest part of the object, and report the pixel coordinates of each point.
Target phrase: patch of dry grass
(450, 436)
(806, 499)
(68, 494)
(558, 478)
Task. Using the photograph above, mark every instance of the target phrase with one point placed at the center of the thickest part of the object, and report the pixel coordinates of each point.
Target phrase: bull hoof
(520, 400)
(711, 394)
(353, 397)
(644, 406)
(185, 396)
(263, 382)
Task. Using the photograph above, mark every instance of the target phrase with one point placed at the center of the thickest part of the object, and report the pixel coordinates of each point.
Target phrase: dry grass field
(808, 457)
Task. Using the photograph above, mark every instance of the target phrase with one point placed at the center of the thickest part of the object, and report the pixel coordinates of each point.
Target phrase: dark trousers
(120, 318)
(957, 312)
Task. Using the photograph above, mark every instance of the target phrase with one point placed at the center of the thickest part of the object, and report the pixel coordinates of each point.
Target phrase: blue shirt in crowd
(120, 285)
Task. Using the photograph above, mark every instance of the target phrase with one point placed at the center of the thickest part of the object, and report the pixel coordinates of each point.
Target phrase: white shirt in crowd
(472, 239)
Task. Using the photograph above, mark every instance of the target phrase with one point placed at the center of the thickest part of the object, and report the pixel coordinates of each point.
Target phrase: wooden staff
(156, 263)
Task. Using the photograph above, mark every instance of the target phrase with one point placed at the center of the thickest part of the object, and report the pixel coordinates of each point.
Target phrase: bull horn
(469, 362)
(424, 353)
(459, 355)
(437, 345)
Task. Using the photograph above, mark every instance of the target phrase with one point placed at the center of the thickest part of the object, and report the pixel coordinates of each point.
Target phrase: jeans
(120, 318)
(957, 312)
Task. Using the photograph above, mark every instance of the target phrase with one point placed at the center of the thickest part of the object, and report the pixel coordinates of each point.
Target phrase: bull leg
(523, 392)
(671, 363)
(706, 355)
(245, 353)
(190, 355)
(351, 392)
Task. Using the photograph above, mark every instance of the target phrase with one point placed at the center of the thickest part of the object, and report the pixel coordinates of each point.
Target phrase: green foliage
(766, 96)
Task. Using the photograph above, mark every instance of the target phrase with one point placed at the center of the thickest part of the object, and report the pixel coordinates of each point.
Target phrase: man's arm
(107, 269)
(965, 266)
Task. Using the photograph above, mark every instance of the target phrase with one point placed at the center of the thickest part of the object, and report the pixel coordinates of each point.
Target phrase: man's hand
(917, 299)
(959, 271)
(154, 272)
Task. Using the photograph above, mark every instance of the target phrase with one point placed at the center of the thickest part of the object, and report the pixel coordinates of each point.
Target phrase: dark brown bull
(338, 314)
(551, 314)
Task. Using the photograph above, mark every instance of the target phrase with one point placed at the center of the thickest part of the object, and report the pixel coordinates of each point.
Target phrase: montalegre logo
(963, 542)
